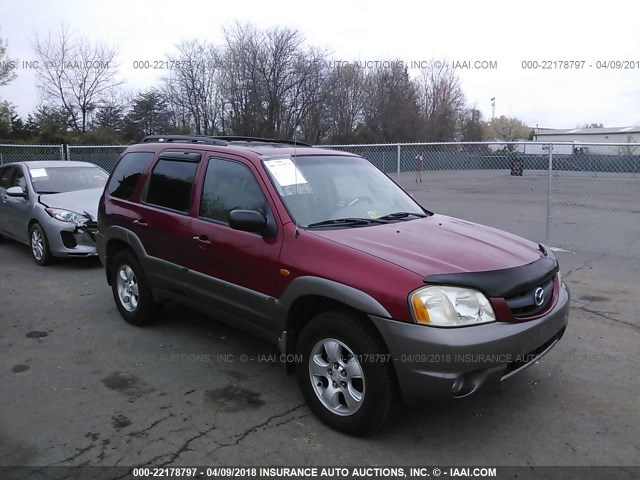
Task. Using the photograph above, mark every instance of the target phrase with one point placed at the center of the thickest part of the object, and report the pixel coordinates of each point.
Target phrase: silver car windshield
(67, 179)
(323, 189)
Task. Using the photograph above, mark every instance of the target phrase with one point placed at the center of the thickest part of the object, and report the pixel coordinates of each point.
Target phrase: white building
(593, 135)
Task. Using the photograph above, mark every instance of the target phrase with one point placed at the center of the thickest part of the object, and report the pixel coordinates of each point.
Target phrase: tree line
(256, 82)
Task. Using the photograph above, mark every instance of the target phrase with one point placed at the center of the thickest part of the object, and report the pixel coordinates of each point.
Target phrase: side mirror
(16, 192)
(248, 221)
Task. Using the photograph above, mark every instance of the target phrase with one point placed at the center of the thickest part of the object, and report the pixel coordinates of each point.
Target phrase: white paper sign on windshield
(288, 176)
(38, 172)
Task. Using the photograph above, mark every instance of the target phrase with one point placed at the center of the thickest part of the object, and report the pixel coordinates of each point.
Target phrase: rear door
(163, 222)
(234, 271)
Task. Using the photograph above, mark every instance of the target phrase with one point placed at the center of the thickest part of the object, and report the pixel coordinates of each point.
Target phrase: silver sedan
(51, 206)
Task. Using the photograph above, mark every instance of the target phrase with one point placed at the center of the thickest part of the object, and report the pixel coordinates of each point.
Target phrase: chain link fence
(104, 156)
(584, 197)
(29, 153)
(559, 193)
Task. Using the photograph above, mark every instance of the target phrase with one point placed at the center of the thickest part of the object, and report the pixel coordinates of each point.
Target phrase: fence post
(398, 163)
(550, 175)
(68, 152)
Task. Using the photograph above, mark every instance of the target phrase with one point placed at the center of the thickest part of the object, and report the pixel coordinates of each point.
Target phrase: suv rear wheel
(131, 292)
(345, 375)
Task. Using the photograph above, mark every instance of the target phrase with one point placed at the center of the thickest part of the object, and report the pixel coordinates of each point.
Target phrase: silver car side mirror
(16, 192)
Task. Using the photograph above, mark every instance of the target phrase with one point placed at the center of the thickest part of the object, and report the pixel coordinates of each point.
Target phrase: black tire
(39, 244)
(141, 309)
(378, 382)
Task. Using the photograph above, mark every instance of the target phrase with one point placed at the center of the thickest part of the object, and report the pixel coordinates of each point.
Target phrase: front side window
(170, 184)
(66, 179)
(325, 188)
(19, 180)
(5, 177)
(127, 173)
(229, 186)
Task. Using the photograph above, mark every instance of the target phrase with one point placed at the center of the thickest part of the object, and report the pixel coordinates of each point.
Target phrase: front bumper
(434, 363)
(67, 240)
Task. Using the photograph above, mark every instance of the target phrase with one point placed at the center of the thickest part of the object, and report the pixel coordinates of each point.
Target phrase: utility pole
(493, 107)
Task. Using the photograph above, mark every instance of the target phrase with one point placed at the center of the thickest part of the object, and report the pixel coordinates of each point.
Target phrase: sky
(507, 36)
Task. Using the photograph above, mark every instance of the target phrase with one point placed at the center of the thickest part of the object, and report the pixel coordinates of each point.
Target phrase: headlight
(443, 306)
(67, 216)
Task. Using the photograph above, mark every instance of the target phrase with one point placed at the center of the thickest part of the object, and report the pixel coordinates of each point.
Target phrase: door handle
(141, 222)
(202, 240)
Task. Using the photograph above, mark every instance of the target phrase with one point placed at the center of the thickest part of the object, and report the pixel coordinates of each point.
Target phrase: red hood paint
(437, 244)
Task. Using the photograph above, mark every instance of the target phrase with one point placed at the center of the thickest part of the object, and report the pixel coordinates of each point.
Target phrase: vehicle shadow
(453, 421)
(18, 252)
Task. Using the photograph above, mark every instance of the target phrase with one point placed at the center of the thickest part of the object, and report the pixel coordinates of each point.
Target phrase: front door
(234, 271)
(15, 210)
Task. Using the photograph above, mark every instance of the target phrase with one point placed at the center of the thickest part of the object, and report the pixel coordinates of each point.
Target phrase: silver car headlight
(67, 216)
(443, 306)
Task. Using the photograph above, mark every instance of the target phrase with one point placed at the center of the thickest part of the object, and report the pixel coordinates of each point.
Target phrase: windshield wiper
(46, 193)
(346, 222)
(399, 215)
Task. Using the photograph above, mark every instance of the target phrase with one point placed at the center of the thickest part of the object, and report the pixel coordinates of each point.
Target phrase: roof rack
(219, 140)
(183, 139)
(240, 138)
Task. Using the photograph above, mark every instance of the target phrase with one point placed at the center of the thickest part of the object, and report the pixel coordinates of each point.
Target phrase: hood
(438, 244)
(79, 201)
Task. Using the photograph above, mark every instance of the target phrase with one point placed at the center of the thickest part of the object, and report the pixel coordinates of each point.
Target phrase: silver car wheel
(37, 244)
(336, 377)
(127, 284)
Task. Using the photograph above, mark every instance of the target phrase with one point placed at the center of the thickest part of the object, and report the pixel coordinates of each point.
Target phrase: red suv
(324, 255)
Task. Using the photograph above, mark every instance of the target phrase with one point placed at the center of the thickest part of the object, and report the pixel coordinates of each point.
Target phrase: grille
(92, 228)
(524, 304)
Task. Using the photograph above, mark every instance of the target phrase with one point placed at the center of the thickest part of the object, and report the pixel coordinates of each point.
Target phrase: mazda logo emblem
(538, 296)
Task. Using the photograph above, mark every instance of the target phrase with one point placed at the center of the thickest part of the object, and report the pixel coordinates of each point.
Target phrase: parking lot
(82, 387)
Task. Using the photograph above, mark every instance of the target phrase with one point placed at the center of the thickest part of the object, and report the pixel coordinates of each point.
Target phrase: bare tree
(7, 66)
(390, 109)
(272, 82)
(75, 74)
(345, 102)
(441, 101)
(194, 85)
(243, 108)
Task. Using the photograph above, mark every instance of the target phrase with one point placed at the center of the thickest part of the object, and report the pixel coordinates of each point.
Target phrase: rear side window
(170, 184)
(127, 173)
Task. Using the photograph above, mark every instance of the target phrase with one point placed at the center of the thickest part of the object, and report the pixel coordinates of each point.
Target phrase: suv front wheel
(345, 375)
(131, 292)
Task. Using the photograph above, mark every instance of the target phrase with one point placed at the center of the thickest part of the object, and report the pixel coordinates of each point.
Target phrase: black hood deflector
(502, 283)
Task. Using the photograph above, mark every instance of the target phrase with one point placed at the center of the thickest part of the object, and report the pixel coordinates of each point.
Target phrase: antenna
(493, 107)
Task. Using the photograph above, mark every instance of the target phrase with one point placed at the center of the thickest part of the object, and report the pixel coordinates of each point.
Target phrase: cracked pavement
(82, 387)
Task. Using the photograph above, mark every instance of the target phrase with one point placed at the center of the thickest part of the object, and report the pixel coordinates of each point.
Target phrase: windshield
(320, 188)
(67, 179)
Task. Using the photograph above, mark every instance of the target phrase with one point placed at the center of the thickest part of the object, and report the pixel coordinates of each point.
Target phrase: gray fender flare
(309, 285)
